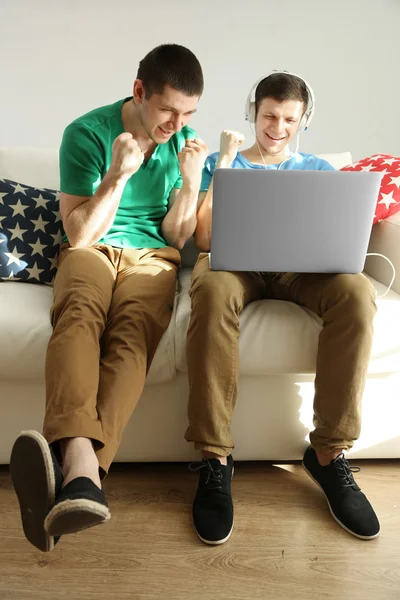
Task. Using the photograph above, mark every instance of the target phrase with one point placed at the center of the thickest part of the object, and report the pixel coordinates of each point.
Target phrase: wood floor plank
(285, 544)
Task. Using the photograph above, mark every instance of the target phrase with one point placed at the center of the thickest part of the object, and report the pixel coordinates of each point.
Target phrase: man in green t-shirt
(130, 180)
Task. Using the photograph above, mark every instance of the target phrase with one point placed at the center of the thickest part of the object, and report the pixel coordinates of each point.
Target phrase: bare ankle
(79, 460)
(222, 459)
(325, 457)
(74, 446)
(72, 474)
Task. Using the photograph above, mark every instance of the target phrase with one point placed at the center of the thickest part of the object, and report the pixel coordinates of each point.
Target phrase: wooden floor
(285, 545)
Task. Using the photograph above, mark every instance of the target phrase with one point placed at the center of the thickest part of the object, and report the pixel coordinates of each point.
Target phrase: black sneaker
(348, 505)
(212, 506)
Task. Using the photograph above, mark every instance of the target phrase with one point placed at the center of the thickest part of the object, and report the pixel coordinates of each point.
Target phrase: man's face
(277, 123)
(162, 115)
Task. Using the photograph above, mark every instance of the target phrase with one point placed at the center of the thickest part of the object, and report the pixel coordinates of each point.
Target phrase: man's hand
(191, 160)
(229, 144)
(126, 156)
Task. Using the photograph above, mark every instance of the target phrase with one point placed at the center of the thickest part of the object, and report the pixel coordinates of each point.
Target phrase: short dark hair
(281, 87)
(173, 65)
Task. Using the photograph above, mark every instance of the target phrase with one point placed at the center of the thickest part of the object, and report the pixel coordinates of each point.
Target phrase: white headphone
(250, 108)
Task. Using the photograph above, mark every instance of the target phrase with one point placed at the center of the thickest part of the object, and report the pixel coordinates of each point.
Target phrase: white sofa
(278, 346)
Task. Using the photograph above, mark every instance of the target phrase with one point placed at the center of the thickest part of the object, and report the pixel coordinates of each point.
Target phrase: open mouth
(274, 139)
(164, 133)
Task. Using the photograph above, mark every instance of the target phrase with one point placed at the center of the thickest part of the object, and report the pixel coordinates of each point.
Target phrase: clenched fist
(229, 144)
(191, 160)
(126, 155)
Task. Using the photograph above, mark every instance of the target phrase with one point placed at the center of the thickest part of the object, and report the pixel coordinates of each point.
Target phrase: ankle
(79, 460)
(326, 457)
(77, 446)
(82, 471)
(222, 459)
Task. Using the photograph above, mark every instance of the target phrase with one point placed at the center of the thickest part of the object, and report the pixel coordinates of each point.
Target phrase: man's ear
(138, 91)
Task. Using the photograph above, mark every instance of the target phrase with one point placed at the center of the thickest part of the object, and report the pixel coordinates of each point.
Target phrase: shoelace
(346, 471)
(213, 476)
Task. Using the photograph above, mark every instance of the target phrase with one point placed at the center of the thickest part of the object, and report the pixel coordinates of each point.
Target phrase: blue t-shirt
(298, 161)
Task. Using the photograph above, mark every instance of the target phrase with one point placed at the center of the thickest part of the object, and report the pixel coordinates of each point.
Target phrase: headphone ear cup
(252, 112)
(304, 122)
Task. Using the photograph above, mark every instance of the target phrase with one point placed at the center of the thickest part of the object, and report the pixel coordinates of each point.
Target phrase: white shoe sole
(216, 543)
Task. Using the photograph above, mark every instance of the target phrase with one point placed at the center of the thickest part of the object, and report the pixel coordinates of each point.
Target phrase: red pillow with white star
(389, 193)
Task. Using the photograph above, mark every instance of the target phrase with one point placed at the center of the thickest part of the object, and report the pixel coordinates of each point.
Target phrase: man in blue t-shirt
(282, 106)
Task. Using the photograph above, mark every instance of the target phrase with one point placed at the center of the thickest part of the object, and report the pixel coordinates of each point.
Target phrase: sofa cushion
(389, 194)
(30, 232)
(25, 331)
(282, 338)
(338, 159)
(37, 166)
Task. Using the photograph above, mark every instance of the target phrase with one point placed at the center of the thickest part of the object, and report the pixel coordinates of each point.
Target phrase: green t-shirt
(85, 157)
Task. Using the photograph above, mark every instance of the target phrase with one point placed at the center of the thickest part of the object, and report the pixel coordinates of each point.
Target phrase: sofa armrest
(385, 239)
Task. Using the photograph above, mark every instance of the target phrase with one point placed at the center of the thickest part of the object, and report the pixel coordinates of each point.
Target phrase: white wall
(61, 58)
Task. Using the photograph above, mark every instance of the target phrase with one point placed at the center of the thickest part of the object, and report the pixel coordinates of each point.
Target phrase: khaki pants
(111, 308)
(346, 304)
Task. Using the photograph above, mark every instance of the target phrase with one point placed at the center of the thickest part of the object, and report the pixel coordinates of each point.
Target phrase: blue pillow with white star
(30, 233)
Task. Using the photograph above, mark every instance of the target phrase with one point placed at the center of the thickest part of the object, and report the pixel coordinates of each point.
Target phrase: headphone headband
(250, 108)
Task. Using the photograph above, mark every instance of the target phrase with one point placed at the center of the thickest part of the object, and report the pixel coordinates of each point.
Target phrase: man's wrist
(224, 162)
(191, 186)
(116, 178)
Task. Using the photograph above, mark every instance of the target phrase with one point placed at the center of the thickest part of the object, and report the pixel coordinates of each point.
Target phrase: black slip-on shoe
(37, 479)
(348, 505)
(79, 505)
(213, 506)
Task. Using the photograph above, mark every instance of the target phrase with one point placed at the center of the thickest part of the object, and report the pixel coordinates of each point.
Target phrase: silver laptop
(292, 221)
